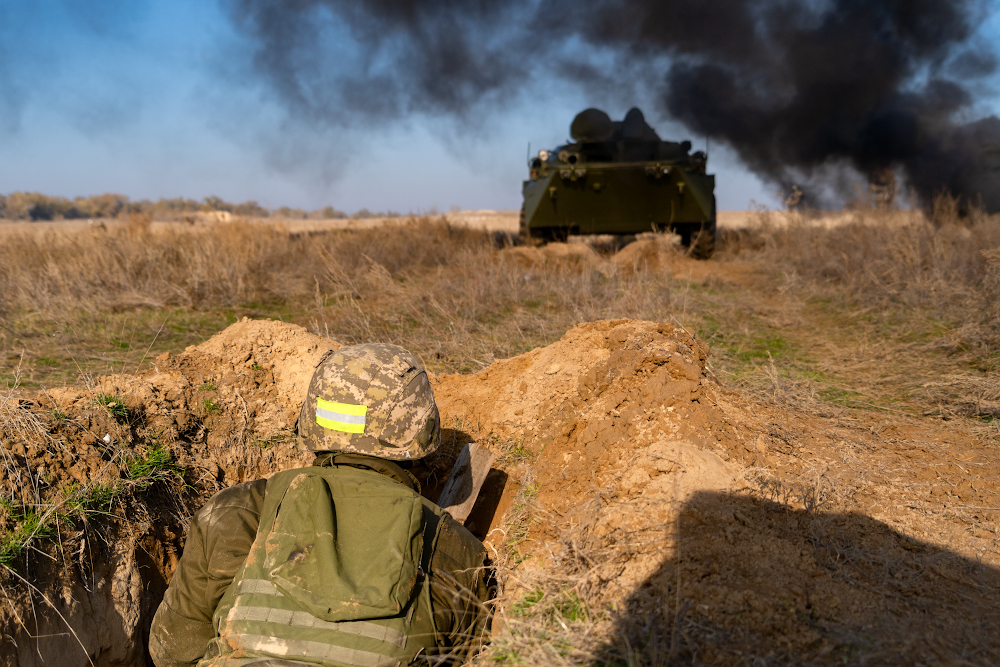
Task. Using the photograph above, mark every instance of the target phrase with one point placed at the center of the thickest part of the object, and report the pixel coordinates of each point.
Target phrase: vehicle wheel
(619, 241)
(524, 236)
(557, 234)
(703, 241)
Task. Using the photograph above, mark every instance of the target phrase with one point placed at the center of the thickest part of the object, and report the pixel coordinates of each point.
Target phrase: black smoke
(800, 89)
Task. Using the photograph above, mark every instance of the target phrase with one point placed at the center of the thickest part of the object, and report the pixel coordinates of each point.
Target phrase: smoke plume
(800, 89)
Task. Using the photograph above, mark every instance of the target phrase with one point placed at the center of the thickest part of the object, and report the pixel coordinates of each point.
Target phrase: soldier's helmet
(372, 399)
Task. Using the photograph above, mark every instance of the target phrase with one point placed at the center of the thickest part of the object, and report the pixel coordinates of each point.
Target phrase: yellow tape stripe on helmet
(343, 417)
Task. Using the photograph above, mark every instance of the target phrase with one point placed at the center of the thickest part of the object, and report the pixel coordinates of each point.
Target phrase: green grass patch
(565, 604)
(208, 386)
(512, 453)
(25, 525)
(210, 407)
(153, 463)
(115, 406)
(520, 522)
(267, 443)
(95, 497)
(751, 349)
(526, 603)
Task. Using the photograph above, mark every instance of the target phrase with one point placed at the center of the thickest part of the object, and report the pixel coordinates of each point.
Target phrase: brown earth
(226, 412)
(700, 525)
(715, 527)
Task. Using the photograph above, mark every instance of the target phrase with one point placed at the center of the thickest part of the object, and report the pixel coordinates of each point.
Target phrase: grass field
(878, 312)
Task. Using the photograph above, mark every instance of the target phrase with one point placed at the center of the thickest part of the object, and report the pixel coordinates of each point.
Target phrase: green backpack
(336, 575)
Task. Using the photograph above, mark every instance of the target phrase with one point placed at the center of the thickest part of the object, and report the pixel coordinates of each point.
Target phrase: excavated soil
(225, 410)
(680, 509)
(649, 253)
(716, 528)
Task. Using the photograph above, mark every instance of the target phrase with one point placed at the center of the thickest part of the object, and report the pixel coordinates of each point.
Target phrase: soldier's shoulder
(247, 497)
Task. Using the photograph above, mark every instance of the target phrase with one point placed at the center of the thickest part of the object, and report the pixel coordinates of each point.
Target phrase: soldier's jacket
(221, 537)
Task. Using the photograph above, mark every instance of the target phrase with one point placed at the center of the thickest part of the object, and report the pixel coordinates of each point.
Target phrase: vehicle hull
(618, 198)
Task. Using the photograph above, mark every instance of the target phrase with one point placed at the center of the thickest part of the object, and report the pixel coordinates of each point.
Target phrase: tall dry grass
(129, 265)
(443, 290)
(924, 286)
(947, 265)
(914, 262)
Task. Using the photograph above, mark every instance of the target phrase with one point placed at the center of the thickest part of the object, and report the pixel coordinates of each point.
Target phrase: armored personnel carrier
(619, 177)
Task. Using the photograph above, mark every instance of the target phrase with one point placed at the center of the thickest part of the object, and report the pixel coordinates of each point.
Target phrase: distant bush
(36, 206)
(250, 209)
(290, 213)
(365, 214)
(328, 213)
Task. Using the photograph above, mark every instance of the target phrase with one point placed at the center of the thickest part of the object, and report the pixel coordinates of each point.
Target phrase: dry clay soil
(674, 506)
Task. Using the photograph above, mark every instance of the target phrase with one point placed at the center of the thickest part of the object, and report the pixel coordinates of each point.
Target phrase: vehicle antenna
(529, 152)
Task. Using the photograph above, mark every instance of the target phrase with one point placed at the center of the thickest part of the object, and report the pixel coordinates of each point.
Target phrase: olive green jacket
(221, 536)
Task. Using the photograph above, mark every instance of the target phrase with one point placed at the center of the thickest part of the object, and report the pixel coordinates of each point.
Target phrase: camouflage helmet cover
(372, 399)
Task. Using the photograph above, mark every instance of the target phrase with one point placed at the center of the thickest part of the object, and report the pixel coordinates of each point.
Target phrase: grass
(432, 287)
(115, 405)
(518, 522)
(94, 498)
(512, 453)
(25, 524)
(444, 293)
(863, 313)
(154, 463)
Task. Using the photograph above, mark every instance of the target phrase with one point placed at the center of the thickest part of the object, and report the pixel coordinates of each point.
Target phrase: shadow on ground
(756, 583)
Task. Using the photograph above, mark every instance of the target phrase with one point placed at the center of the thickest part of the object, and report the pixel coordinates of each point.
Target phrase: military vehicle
(619, 178)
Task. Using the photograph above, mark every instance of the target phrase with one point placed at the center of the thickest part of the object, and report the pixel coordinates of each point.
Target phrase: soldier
(340, 563)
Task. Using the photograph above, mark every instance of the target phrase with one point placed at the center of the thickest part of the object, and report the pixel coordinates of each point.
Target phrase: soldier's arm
(218, 542)
(462, 587)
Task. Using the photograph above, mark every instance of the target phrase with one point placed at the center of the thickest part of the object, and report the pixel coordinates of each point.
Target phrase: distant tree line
(36, 206)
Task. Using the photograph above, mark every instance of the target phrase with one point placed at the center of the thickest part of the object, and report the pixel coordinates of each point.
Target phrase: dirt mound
(127, 461)
(645, 253)
(650, 253)
(559, 254)
(623, 408)
(648, 489)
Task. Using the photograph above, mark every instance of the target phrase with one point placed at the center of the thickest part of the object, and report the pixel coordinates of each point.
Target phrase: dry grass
(129, 265)
(426, 284)
(885, 287)
(899, 308)
(881, 262)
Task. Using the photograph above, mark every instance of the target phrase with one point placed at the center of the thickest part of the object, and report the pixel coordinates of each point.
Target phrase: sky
(158, 101)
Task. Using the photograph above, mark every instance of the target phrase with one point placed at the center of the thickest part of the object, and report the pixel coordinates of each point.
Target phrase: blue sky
(159, 102)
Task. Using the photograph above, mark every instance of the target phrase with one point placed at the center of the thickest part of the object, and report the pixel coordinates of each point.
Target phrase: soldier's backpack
(336, 575)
